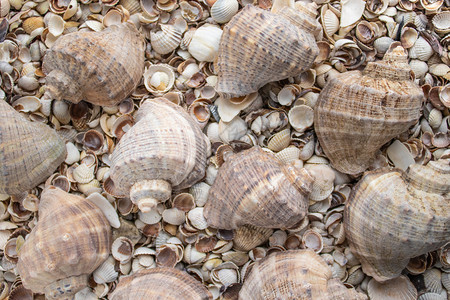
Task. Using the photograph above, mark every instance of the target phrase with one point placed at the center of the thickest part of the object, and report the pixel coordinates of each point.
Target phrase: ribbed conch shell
(71, 239)
(258, 47)
(393, 216)
(29, 151)
(102, 68)
(160, 283)
(165, 149)
(357, 113)
(253, 187)
(295, 274)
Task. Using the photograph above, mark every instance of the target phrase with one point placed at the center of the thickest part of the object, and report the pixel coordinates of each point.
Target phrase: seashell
(106, 272)
(441, 22)
(278, 47)
(200, 192)
(223, 10)
(28, 83)
(351, 11)
(27, 104)
(280, 140)
(417, 192)
(444, 95)
(283, 204)
(301, 117)
(421, 50)
(105, 206)
(312, 240)
(357, 103)
(431, 6)
(408, 37)
(248, 237)
(228, 109)
(23, 141)
(288, 155)
(76, 73)
(55, 25)
(294, 274)
(439, 69)
(174, 216)
(166, 40)
(330, 21)
(382, 44)
(398, 288)
(159, 79)
(420, 68)
(204, 44)
(323, 184)
(122, 249)
(4, 9)
(83, 174)
(71, 239)
(431, 296)
(20, 293)
(32, 23)
(159, 283)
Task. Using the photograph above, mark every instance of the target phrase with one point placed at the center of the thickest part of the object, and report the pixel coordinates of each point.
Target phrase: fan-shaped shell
(71, 239)
(165, 149)
(95, 66)
(29, 151)
(393, 216)
(253, 187)
(357, 113)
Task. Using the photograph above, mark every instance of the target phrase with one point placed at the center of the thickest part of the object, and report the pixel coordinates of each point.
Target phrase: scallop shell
(223, 10)
(421, 50)
(166, 40)
(94, 67)
(399, 288)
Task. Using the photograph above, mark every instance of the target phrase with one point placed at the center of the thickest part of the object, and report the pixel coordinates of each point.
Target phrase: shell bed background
(182, 40)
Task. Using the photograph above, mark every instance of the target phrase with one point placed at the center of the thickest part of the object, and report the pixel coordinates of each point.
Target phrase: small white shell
(122, 249)
(324, 181)
(27, 104)
(400, 155)
(312, 240)
(420, 68)
(166, 40)
(223, 10)
(280, 140)
(287, 95)
(174, 216)
(399, 288)
(83, 174)
(351, 11)
(439, 69)
(151, 217)
(197, 219)
(421, 50)
(431, 296)
(56, 25)
(432, 280)
(441, 22)
(382, 44)
(330, 22)
(228, 109)
(108, 210)
(205, 43)
(301, 117)
(61, 111)
(200, 192)
(106, 272)
(73, 155)
(233, 130)
(288, 154)
(435, 118)
(159, 79)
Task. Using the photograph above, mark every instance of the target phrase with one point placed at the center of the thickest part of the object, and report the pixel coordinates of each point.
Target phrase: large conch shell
(253, 187)
(357, 113)
(164, 150)
(102, 68)
(392, 216)
(29, 151)
(258, 47)
(71, 239)
(295, 274)
(160, 283)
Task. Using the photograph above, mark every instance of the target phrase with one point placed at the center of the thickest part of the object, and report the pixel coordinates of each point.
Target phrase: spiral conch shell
(29, 151)
(160, 283)
(165, 149)
(71, 239)
(393, 216)
(295, 274)
(99, 67)
(254, 188)
(357, 113)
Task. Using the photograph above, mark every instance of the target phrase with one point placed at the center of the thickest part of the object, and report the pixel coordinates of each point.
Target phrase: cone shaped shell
(94, 66)
(253, 187)
(71, 239)
(357, 113)
(160, 283)
(29, 151)
(258, 47)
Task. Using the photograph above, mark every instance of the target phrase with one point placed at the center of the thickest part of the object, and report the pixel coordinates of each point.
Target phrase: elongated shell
(357, 113)
(253, 187)
(99, 67)
(295, 274)
(29, 151)
(71, 239)
(393, 216)
(165, 149)
(160, 283)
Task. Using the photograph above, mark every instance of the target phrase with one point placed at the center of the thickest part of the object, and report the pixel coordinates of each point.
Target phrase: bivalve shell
(166, 40)
(204, 44)
(223, 10)
(158, 79)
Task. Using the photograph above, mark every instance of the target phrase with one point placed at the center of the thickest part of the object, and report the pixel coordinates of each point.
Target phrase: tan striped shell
(71, 239)
(29, 151)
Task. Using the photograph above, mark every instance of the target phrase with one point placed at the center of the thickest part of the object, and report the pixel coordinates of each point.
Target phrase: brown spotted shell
(71, 239)
(357, 113)
(160, 283)
(294, 274)
(29, 151)
(102, 68)
(253, 187)
(392, 216)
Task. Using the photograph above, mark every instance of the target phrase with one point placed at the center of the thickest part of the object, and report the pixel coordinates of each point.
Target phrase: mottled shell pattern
(253, 187)
(102, 68)
(71, 239)
(259, 46)
(29, 151)
(294, 274)
(160, 283)
(392, 216)
(164, 150)
(357, 113)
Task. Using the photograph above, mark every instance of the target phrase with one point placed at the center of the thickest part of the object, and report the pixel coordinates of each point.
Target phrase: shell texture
(357, 113)
(160, 283)
(71, 239)
(94, 67)
(253, 187)
(258, 47)
(393, 216)
(29, 151)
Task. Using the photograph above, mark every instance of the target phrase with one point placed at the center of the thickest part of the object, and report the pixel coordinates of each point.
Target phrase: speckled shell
(253, 187)
(258, 47)
(29, 151)
(393, 216)
(357, 113)
(71, 239)
(102, 68)
(160, 283)
(295, 274)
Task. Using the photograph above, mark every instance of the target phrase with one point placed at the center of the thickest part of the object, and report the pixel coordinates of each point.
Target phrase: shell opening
(148, 193)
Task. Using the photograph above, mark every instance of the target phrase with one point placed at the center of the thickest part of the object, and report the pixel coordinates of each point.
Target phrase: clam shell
(158, 79)
(204, 44)
(301, 117)
(248, 237)
(32, 23)
(421, 50)
(432, 280)
(351, 11)
(223, 10)
(431, 296)
(166, 40)
(122, 249)
(420, 68)
(105, 272)
(288, 155)
(441, 22)
(280, 140)
(399, 288)
(323, 184)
